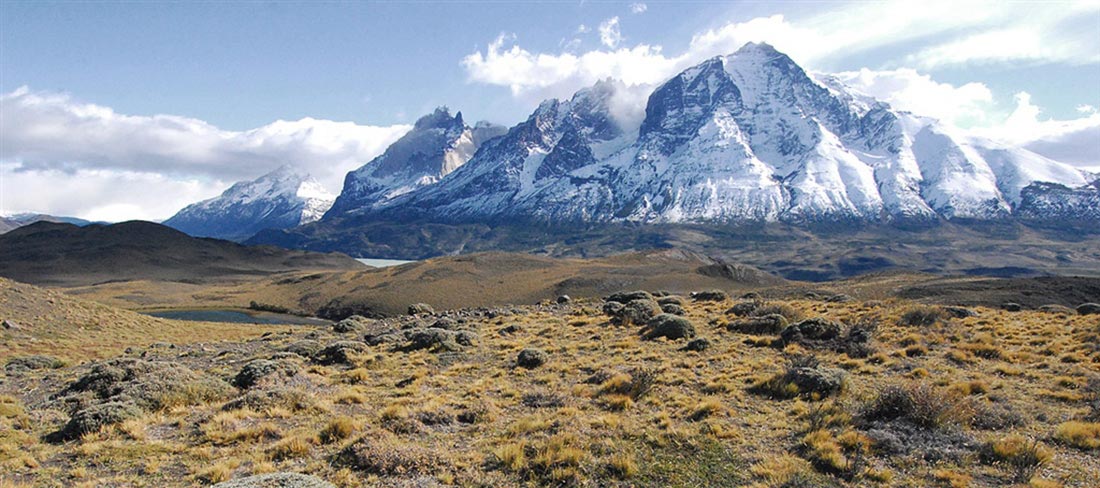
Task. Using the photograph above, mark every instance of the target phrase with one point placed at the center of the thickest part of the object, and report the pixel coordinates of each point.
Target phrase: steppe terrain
(783, 388)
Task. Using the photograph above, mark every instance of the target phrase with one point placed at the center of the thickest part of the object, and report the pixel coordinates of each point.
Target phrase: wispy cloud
(610, 35)
(968, 105)
(921, 34)
(1074, 141)
(638, 8)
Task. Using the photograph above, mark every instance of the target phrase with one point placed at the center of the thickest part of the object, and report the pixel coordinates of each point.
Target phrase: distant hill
(7, 224)
(64, 254)
(19, 220)
(487, 280)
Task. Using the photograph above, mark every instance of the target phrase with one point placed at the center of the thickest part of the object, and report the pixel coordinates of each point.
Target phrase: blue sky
(243, 65)
(144, 95)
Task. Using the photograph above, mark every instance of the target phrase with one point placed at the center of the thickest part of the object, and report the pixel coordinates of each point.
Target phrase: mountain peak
(285, 172)
(285, 197)
(757, 47)
(440, 118)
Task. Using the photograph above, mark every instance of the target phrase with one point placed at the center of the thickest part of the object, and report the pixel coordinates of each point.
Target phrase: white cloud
(972, 107)
(583, 29)
(1073, 141)
(906, 89)
(610, 35)
(638, 8)
(100, 194)
(51, 136)
(927, 34)
(530, 74)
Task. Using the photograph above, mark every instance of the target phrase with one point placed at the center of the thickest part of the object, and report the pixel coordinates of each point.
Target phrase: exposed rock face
(1052, 201)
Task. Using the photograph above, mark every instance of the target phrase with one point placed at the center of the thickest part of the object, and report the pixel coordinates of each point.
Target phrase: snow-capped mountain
(559, 138)
(437, 145)
(745, 137)
(281, 199)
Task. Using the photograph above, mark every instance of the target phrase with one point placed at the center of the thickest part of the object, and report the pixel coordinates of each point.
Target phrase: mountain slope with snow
(437, 145)
(748, 137)
(281, 199)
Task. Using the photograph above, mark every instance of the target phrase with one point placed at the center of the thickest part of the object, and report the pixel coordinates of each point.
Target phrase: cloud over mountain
(50, 140)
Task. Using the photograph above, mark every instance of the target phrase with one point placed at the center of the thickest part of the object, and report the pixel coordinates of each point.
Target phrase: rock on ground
(277, 480)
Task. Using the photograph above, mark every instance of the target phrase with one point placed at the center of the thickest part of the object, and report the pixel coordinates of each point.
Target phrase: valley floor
(853, 393)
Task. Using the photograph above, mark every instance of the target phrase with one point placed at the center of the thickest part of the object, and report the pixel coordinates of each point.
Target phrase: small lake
(382, 263)
(236, 317)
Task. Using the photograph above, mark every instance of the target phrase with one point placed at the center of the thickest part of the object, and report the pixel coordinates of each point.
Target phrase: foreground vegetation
(637, 390)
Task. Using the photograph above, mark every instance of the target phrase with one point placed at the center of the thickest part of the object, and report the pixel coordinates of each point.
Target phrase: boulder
(446, 323)
(276, 480)
(389, 337)
(669, 326)
(339, 352)
(613, 309)
(421, 309)
(820, 379)
(815, 329)
(256, 370)
(710, 296)
(95, 417)
(466, 338)
(673, 309)
(1062, 309)
(32, 362)
(147, 384)
(766, 324)
(638, 311)
(960, 312)
(670, 300)
(562, 300)
(1089, 309)
(629, 296)
(699, 345)
(532, 358)
(742, 309)
(350, 324)
(433, 339)
(1011, 307)
(305, 348)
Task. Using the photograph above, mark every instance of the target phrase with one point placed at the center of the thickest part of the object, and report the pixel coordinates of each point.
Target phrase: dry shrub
(384, 454)
(920, 404)
(921, 316)
(1024, 457)
(338, 429)
(788, 312)
(635, 384)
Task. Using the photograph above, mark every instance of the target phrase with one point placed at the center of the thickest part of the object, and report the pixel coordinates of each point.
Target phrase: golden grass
(59, 325)
(472, 419)
(1082, 435)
